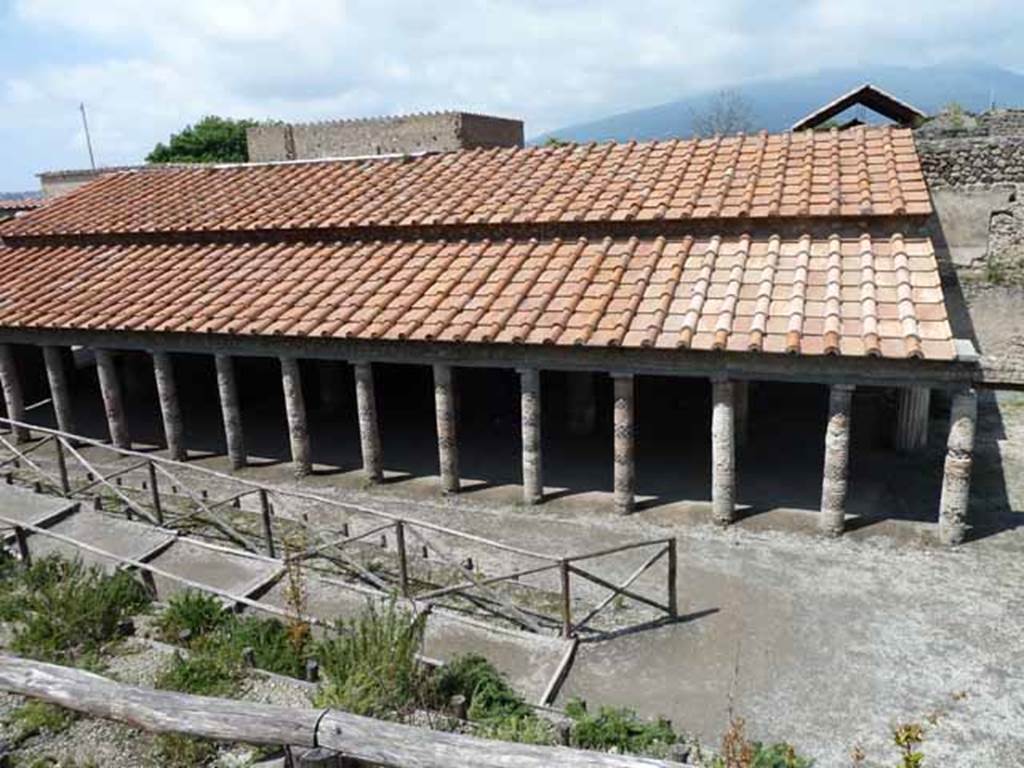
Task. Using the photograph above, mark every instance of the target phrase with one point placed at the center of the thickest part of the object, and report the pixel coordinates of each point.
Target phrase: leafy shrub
(370, 666)
(194, 612)
(619, 729)
(64, 612)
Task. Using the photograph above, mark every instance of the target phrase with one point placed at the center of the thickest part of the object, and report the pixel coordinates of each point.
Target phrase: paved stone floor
(823, 643)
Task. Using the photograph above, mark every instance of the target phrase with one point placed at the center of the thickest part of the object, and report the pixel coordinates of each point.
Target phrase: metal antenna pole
(88, 138)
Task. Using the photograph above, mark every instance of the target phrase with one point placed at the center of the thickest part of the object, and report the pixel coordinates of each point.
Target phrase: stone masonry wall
(974, 167)
(433, 132)
(970, 160)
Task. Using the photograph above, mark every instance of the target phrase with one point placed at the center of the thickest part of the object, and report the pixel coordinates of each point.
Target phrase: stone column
(837, 460)
(369, 431)
(295, 410)
(447, 444)
(582, 402)
(113, 401)
(723, 451)
(625, 472)
(57, 377)
(956, 478)
(13, 398)
(741, 398)
(230, 410)
(530, 410)
(170, 409)
(912, 419)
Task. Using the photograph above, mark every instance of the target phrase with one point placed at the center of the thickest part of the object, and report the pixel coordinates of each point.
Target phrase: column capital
(625, 375)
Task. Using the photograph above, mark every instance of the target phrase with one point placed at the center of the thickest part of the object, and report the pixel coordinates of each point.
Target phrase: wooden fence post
(22, 538)
(673, 599)
(154, 490)
(62, 467)
(563, 569)
(403, 563)
(268, 528)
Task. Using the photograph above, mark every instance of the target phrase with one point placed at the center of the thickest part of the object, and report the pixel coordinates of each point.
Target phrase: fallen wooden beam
(374, 741)
(159, 711)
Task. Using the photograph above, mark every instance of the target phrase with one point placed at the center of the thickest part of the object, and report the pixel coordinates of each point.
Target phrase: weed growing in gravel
(908, 737)
(65, 612)
(175, 751)
(496, 710)
(35, 717)
(191, 612)
(739, 752)
(209, 670)
(370, 666)
(213, 631)
(619, 729)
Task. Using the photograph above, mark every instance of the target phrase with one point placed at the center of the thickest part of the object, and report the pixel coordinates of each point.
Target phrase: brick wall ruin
(407, 134)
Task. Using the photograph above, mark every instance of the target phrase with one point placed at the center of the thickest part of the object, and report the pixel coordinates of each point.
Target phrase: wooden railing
(334, 733)
(163, 491)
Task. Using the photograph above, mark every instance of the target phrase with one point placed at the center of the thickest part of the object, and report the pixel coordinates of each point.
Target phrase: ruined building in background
(403, 134)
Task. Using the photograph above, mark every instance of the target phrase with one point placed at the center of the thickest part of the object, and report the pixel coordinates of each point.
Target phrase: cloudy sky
(147, 67)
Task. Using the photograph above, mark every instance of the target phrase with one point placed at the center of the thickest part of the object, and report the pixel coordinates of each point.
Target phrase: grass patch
(36, 717)
(64, 612)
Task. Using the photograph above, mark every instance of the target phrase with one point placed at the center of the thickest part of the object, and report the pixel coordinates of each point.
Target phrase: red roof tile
(852, 295)
(14, 204)
(856, 173)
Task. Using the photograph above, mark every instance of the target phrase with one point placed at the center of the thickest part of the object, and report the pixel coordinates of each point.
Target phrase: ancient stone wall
(407, 134)
(974, 167)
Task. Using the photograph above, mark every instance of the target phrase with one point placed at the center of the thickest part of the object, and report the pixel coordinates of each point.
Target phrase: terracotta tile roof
(669, 245)
(8, 204)
(857, 173)
(850, 293)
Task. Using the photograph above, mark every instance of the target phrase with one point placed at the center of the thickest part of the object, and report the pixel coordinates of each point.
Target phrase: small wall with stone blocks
(406, 134)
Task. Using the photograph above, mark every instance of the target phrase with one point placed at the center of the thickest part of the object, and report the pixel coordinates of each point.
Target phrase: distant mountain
(777, 104)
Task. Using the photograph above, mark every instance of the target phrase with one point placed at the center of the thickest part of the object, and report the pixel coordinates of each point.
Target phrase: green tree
(212, 140)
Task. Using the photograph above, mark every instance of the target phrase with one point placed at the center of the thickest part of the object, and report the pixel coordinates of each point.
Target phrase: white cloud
(154, 66)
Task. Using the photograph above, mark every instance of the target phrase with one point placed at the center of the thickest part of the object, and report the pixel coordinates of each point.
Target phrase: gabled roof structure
(872, 97)
(805, 244)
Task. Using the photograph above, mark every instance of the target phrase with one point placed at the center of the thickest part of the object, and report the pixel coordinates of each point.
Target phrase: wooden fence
(163, 488)
(332, 732)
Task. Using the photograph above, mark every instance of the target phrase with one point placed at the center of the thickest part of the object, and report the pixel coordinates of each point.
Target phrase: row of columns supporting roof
(728, 428)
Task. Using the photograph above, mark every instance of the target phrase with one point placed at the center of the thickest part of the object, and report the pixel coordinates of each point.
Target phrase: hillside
(777, 104)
